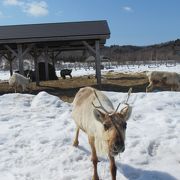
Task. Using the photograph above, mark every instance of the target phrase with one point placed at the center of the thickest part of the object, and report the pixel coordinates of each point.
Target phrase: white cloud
(12, 2)
(32, 8)
(36, 9)
(128, 9)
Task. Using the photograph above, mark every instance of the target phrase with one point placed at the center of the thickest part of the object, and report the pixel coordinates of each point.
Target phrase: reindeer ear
(99, 115)
(126, 112)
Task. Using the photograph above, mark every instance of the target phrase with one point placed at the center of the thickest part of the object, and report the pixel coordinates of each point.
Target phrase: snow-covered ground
(36, 135)
(4, 75)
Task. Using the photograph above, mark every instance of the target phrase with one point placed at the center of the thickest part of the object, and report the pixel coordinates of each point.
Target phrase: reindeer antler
(129, 93)
(101, 106)
(117, 107)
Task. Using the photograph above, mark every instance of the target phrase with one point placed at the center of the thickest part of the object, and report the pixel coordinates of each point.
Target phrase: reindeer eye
(124, 125)
(106, 127)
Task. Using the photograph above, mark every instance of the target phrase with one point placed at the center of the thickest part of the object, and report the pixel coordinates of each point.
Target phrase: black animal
(42, 74)
(66, 72)
(31, 74)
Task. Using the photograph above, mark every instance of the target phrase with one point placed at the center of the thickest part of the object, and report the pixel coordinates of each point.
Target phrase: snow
(4, 75)
(37, 131)
(127, 69)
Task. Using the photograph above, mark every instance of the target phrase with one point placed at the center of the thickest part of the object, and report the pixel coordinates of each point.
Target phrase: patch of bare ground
(67, 88)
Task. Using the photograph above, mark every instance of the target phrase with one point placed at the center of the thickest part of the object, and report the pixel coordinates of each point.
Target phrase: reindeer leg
(15, 88)
(112, 167)
(94, 157)
(76, 142)
(149, 87)
(23, 88)
(174, 87)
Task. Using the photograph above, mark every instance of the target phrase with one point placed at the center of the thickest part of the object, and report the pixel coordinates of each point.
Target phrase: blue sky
(131, 22)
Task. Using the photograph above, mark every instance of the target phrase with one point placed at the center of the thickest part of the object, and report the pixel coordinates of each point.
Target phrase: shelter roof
(53, 32)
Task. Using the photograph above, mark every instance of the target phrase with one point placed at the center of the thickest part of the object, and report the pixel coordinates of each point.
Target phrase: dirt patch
(67, 88)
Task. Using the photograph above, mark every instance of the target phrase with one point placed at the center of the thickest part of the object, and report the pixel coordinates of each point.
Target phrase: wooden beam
(8, 56)
(98, 64)
(57, 54)
(45, 40)
(28, 49)
(89, 47)
(11, 50)
(65, 48)
(4, 55)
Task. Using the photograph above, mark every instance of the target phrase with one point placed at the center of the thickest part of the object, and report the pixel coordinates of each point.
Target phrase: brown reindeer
(105, 127)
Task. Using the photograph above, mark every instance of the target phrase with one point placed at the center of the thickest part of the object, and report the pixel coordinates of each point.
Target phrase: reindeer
(105, 127)
(163, 79)
(17, 80)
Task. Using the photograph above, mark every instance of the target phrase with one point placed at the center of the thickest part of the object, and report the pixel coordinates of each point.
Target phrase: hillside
(164, 51)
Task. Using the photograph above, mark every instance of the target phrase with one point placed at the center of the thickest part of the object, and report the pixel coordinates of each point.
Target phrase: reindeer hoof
(95, 178)
(75, 144)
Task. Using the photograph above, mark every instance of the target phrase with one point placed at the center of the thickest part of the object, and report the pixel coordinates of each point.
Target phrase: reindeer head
(114, 125)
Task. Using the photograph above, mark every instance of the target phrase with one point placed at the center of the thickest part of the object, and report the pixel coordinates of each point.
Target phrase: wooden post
(53, 59)
(46, 62)
(36, 69)
(98, 64)
(1, 56)
(20, 58)
(19, 54)
(54, 56)
(10, 68)
(35, 55)
(96, 52)
(9, 56)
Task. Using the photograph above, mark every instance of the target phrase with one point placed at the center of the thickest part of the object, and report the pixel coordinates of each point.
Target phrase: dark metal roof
(54, 32)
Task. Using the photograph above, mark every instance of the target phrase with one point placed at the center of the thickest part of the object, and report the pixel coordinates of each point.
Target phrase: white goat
(94, 114)
(163, 79)
(17, 80)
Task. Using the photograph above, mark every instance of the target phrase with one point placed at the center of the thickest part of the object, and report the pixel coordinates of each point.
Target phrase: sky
(131, 22)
